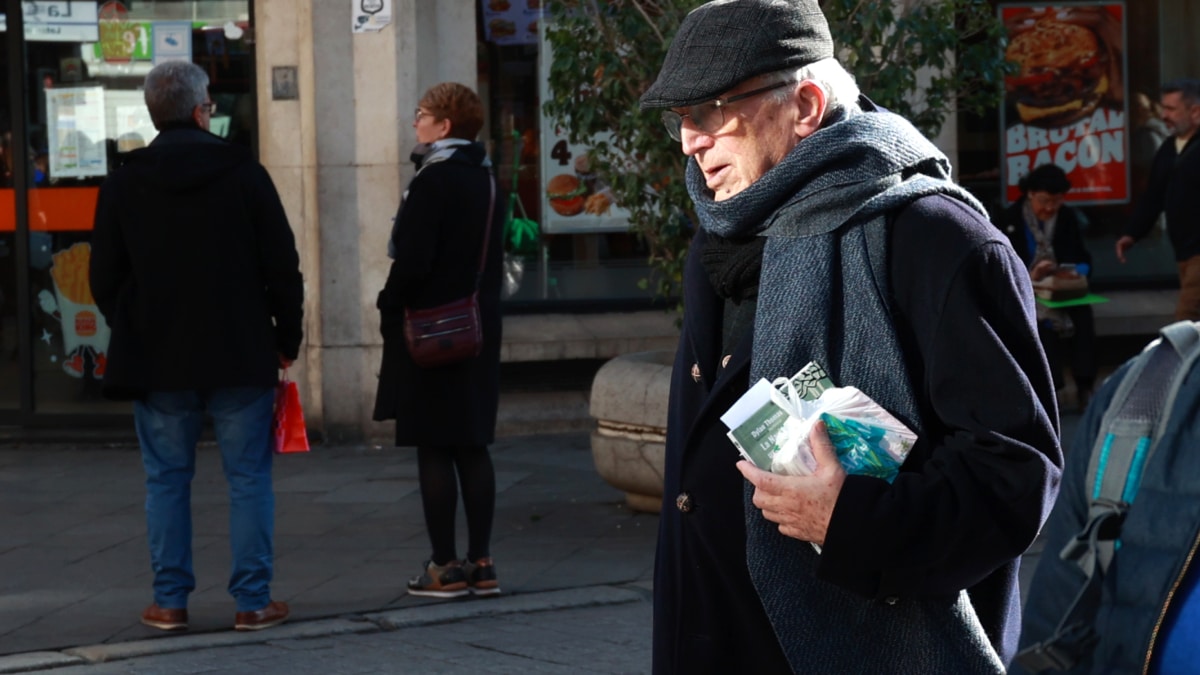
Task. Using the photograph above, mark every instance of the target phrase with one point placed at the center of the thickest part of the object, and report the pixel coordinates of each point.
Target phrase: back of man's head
(726, 42)
(173, 90)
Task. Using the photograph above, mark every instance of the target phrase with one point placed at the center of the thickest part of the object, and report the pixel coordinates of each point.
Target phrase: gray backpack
(1127, 439)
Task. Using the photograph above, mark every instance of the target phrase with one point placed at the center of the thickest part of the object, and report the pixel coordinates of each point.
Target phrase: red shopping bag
(288, 428)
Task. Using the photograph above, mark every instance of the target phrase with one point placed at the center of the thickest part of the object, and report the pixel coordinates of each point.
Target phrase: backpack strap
(1129, 431)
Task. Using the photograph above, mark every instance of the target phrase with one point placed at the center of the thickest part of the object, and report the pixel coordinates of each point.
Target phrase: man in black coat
(195, 268)
(829, 232)
(1174, 190)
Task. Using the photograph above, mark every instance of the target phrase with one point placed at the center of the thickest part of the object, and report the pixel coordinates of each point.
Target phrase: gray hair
(173, 90)
(1188, 88)
(841, 91)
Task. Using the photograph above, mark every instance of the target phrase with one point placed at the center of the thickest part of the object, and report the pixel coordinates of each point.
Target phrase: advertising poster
(78, 133)
(574, 198)
(511, 22)
(1066, 103)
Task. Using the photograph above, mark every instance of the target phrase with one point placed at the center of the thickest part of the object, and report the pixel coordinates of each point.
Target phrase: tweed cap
(726, 42)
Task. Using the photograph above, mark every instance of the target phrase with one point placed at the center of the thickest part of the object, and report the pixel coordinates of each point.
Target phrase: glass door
(80, 106)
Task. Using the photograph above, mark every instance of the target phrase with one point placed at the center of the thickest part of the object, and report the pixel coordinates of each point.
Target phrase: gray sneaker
(481, 577)
(439, 581)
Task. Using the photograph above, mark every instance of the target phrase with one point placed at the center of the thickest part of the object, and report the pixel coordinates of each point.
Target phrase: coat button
(725, 361)
(684, 502)
(695, 372)
(891, 600)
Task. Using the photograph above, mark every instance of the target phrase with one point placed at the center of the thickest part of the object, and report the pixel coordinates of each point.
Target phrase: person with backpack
(1118, 586)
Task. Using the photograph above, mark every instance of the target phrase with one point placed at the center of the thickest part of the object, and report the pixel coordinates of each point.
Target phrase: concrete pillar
(340, 157)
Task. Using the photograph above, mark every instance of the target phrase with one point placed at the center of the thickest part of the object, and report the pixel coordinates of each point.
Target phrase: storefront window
(84, 64)
(1159, 45)
(582, 258)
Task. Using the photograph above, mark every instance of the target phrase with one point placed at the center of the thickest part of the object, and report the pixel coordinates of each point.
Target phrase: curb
(434, 613)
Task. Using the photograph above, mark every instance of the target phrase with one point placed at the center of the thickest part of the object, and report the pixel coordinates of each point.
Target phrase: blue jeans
(168, 427)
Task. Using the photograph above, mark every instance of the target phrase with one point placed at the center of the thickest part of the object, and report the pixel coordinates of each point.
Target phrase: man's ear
(810, 98)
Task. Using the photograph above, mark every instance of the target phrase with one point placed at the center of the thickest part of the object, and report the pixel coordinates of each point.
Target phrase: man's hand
(1124, 244)
(800, 505)
(284, 362)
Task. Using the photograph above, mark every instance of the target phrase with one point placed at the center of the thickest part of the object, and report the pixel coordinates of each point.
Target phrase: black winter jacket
(1174, 189)
(195, 268)
(1067, 241)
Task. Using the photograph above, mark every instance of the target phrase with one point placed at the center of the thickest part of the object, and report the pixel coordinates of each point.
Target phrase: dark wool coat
(437, 240)
(982, 478)
(1173, 189)
(195, 268)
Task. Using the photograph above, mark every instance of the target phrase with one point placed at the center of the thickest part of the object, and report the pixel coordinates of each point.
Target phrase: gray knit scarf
(824, 297)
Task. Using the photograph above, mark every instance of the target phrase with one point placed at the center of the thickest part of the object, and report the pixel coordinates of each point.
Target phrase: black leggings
(436, 468)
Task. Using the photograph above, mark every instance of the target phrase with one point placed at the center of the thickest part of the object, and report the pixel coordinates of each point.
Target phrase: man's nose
(693, 139)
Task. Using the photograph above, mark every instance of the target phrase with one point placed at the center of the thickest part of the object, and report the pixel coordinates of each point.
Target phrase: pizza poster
(511, 22)
(1065, 102)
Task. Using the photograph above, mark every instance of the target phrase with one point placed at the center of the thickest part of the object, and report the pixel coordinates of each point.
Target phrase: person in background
(1174, 190)
(194, 266)
(448, 412)
(829, 231)
(1046, 234)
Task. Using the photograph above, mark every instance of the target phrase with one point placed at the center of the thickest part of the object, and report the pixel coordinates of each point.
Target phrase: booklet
(770, 425)
(757, 424)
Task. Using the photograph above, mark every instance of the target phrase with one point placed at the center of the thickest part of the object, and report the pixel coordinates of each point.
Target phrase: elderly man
(1174, 189)
(829, 231)
(195, 268)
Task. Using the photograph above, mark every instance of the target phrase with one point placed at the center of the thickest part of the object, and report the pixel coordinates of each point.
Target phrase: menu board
(1066, 104)
(511, 22)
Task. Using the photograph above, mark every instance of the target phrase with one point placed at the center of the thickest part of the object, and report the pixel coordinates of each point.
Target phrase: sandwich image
(1063, 72)
(566, 193)
(502, 28)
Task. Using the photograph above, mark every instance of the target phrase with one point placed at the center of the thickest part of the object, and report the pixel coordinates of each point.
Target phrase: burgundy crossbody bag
(450, 333)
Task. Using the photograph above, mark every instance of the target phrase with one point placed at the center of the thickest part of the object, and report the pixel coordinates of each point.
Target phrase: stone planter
(629, 404)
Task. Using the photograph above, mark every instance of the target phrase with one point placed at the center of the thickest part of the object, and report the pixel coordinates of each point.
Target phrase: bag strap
(487, 230)
(1129, 433)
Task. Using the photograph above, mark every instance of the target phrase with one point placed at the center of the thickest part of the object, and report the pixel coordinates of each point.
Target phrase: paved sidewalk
(74, 571)
(74, 568)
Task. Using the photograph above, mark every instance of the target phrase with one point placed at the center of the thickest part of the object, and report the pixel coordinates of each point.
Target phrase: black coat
(984, 472)
(195, 268)
(1067, 240)
(1174, 190)
(438, 236)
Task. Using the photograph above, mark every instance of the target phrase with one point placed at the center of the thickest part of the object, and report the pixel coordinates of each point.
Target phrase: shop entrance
(71, 110)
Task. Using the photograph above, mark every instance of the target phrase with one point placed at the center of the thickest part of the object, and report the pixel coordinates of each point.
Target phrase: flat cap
(725, 42)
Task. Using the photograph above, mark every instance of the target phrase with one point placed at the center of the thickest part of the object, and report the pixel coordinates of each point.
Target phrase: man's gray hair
(173, 90)
(841, 91)
(1188, 88)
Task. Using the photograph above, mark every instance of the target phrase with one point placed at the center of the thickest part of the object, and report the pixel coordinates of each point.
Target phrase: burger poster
(511, 22)
(574, 198)
(1065, 104)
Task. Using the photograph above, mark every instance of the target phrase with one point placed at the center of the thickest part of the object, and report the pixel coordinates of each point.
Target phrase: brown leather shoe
(273, 614)
(165, 619)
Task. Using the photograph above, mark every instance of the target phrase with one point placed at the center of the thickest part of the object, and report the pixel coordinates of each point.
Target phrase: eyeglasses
(710, 115)
(209, 107)
(418, 114)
